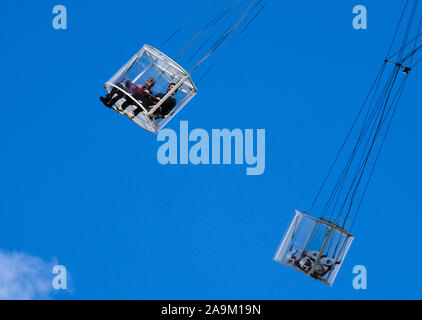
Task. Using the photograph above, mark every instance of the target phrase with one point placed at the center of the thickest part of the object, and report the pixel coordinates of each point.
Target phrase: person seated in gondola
(325, 265)
(115, 94)
(167, 105)
(142, 93)
(150, 100)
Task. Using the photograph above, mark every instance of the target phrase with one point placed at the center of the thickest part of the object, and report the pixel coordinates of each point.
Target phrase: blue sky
(82, 185)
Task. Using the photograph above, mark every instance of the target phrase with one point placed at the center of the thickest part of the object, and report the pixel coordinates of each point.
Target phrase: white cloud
(24, 277)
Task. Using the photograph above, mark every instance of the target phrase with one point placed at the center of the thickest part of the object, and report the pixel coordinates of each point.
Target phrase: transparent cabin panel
(315, 247)
(151, 63)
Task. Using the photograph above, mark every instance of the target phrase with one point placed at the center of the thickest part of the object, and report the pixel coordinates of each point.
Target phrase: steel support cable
(234, 41)
(197, 51)
(417, 62)
(364, 153)
(204, 43)
(411, 54)
(416, 39)
(411, 65)
(390, 115)
(219, 42)
(372, 111)
(207, 26)
(210, 38)
(368, 118)
(360, 171)
(366, 135)
(397, 29)
(384, 109)
(381, 125)
(364, 165)
(377, 80)
(379, 152)
(338, 187)
(186, 23)
(400, 52)
(408, 29)
(405, 46)
(360, 176)
(223, 38)
(191, 42)
(399, 93)
(369, 151)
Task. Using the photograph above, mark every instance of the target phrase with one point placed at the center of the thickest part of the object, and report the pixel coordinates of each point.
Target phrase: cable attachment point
(406, 70)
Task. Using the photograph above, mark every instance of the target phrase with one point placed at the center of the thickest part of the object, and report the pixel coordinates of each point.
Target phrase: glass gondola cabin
(315, 247)
(151, 63)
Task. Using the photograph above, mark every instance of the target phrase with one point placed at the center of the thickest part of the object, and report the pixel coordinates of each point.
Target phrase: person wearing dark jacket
(143, 94)
(167, 105)
(115, 94)
(151, 100)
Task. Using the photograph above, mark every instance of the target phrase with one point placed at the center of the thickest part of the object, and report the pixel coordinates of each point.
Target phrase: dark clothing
(166, 107)
(147, 100)
(116, 94)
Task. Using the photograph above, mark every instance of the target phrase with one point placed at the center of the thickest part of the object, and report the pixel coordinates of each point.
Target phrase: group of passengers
(143, 94)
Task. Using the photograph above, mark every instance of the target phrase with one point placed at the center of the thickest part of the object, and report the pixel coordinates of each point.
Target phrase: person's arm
(158, 97)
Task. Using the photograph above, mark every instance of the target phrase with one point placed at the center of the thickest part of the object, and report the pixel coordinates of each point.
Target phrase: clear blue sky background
(82, 184)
